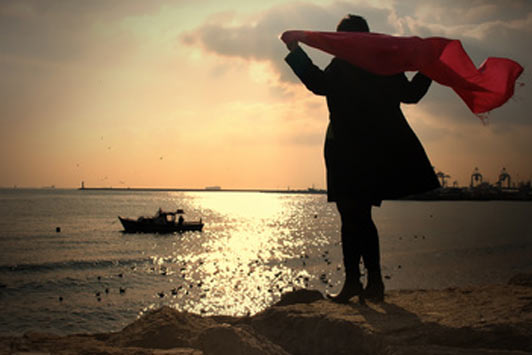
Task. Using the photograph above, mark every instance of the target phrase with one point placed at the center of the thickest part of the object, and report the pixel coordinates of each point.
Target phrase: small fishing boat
(162, 222)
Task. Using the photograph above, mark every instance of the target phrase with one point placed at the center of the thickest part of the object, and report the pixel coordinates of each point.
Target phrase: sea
(66, 266)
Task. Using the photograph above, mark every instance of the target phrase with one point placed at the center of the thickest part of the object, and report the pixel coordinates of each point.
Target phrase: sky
(196, 93)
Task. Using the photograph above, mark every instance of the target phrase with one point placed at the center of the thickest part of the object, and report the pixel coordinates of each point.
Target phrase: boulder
(299, 296)
(521, 280)
(233, 340)
(164, 328)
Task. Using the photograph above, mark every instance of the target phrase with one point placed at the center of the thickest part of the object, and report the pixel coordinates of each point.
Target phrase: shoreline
(477, 320)
(441, 194)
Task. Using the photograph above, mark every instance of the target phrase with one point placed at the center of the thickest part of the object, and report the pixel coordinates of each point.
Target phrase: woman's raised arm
(313, 77)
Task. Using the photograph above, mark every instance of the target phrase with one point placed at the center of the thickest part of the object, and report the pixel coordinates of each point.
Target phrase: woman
(371, 153)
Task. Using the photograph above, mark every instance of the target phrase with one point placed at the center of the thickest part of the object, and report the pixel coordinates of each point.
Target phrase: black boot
(350, 290)
(374, 290)
(352, 286)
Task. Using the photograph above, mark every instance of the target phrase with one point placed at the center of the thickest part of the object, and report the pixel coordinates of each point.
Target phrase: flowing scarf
(441, 59)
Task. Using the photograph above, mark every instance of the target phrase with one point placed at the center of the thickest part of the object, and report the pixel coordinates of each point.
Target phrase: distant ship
(213, 188)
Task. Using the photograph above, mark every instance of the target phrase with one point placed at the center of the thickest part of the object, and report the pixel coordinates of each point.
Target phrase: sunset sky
(193, 93)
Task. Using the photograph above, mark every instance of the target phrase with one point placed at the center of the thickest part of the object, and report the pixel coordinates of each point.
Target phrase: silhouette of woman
(371, 153)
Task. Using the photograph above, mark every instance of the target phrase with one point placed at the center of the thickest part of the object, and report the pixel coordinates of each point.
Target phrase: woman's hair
(353, 23)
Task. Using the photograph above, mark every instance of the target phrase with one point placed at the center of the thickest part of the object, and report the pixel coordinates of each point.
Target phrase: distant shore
(295, 191)
(480, 320)
(442, 194)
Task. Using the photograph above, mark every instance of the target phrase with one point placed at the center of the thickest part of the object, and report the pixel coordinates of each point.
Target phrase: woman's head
(353, 23)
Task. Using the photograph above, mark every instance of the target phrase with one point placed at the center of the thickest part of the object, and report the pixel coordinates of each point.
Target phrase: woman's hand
(292, 45)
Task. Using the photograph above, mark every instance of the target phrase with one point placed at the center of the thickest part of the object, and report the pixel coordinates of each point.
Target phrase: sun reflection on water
(240, 205)
(244, 259)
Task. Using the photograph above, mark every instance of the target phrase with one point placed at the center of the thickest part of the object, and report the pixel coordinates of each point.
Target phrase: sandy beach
(489, 319)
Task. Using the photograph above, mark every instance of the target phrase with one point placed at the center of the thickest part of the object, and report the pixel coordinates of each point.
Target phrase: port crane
(443, 178)
(504, 176)
(476, 177)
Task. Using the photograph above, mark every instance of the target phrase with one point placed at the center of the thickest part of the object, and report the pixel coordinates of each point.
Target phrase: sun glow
(238, 204)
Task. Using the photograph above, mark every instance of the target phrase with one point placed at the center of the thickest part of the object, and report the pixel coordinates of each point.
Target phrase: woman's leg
(350, 213)
(371, 256)
(360, 239)
(370, 244)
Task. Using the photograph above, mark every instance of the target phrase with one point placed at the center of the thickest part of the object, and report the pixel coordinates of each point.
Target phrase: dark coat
(371, 153)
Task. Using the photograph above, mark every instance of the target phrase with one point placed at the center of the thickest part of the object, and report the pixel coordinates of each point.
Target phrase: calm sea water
(254, 247)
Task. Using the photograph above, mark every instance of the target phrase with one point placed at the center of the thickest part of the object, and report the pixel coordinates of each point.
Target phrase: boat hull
(150, 226)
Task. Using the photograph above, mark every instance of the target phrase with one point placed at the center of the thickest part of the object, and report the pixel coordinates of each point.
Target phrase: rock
(42, 343)
(224, 339)
(177, 351)
(299, 296)
(521, 280)
(480, 320)
(445, 350)
(164, 328)
(313, 329)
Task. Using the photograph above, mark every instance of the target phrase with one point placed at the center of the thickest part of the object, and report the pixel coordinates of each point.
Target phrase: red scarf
(441, 59)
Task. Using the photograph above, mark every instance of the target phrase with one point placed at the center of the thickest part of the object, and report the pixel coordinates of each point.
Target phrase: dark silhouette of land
(442, 194)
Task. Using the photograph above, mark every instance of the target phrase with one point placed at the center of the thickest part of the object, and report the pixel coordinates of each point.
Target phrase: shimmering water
(254, 247)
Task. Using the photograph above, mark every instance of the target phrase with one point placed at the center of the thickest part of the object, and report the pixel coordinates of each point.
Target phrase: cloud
(485, 27)
(481, 40)
(256, 38)
(456, 12)
(65, 31)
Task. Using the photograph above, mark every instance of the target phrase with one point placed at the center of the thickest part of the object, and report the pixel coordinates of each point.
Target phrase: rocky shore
(490, 319)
